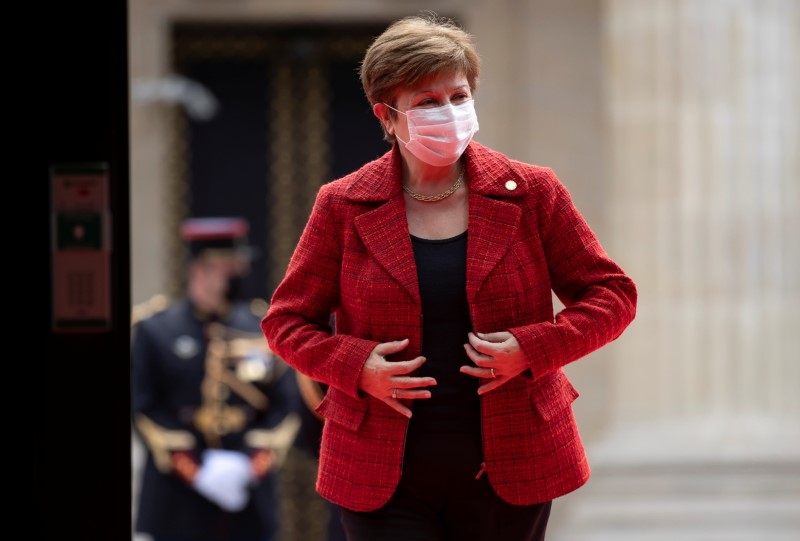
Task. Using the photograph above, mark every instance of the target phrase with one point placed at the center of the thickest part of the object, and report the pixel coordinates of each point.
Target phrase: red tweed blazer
(525, 241)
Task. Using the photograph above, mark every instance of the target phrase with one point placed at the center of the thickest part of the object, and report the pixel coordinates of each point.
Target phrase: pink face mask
(438, 136)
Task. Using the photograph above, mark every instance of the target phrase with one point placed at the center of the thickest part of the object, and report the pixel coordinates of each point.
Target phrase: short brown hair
(414, 48)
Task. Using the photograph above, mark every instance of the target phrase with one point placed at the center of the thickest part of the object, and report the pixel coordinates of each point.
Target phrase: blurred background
(673, 123)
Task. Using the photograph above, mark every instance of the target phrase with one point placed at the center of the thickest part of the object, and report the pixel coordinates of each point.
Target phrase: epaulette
(155, 304)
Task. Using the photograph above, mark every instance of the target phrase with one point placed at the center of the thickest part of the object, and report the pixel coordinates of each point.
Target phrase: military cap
(216, 236)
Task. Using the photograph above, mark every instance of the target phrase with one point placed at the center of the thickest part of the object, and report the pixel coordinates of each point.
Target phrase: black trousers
(440, 499)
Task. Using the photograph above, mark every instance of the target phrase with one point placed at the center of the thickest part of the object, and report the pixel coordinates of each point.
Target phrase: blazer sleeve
(599, 298)
(297, 324)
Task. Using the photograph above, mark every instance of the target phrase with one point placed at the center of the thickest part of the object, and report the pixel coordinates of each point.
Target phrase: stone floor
(743, 501)
(684, 502)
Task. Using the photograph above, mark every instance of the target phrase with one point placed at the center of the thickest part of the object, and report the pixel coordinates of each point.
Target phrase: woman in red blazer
(447, 415)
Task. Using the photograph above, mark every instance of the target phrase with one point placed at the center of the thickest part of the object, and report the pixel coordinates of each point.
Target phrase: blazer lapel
(384, 231)
(492, 228)
(492, 219)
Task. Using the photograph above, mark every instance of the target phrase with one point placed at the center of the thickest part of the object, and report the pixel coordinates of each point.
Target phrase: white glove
(224, 477)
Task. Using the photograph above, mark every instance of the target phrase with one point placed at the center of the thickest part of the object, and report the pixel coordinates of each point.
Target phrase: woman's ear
(381, 112)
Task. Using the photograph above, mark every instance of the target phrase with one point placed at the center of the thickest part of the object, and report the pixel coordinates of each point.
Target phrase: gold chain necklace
(439, 196)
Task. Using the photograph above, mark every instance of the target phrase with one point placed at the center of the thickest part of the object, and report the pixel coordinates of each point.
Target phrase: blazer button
(511, 185)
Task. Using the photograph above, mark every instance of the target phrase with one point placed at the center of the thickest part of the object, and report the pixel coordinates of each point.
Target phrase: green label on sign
(80, 231)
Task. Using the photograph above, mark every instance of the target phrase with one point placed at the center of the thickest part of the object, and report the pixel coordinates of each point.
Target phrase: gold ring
(394, 393)
(492, 370)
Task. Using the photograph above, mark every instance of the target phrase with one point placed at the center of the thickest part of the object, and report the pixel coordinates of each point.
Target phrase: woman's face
(433, 92)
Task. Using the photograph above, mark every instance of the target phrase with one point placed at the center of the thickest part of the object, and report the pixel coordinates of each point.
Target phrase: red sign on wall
(81, 247)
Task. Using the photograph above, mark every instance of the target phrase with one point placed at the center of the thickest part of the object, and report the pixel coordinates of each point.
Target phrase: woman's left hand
(497, 356)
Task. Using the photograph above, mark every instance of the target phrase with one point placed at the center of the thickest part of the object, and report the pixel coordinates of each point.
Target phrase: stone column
(703, 102)
(703, 114)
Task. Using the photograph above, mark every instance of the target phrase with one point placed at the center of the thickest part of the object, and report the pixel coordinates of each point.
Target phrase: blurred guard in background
(210, 402)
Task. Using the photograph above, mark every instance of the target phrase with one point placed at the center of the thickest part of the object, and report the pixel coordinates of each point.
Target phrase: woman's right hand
(389, 381)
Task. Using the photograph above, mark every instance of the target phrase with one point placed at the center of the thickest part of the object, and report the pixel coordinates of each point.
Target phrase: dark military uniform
(200, 384)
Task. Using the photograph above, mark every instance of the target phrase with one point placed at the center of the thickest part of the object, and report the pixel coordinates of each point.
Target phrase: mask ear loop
(402, 113)
(393, 109)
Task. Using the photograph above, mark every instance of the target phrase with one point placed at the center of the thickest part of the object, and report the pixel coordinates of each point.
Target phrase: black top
(442, 274)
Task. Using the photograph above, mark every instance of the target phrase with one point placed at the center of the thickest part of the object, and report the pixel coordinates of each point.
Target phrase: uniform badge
(256, 365)
(185, 347)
